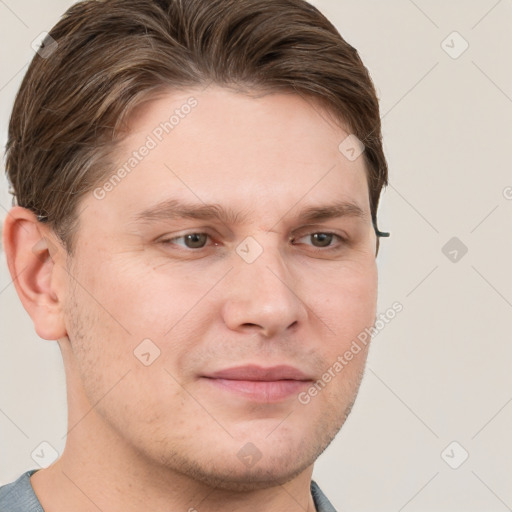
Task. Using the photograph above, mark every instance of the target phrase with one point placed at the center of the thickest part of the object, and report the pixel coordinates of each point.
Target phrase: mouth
(255, 383)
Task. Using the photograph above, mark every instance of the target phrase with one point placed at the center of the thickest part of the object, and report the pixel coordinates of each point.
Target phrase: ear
(37, 262)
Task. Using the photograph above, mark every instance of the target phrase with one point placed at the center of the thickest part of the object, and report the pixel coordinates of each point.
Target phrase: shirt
(19, 496)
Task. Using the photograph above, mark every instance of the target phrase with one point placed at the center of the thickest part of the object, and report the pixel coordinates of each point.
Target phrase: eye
(189, 241)
(321, 239)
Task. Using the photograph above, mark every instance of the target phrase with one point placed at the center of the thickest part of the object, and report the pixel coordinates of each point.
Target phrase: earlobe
(35, 259)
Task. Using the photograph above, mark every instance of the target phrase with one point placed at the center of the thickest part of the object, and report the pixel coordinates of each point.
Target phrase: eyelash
(341, 241)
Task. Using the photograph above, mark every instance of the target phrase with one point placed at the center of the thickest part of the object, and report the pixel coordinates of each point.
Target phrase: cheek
(112, 375)
(134, 315)
(346, 300)
(133, 300)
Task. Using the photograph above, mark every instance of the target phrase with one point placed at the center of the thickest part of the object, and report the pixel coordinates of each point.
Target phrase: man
(196, 187)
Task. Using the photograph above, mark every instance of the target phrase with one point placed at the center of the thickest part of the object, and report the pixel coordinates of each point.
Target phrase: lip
(261, 384)
(259, 373)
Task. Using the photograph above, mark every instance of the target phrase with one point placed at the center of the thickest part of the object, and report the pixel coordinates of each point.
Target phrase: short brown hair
(110, 56)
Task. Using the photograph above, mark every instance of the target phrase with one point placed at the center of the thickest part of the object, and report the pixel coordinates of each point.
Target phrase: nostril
(260, 327)
(252, 325)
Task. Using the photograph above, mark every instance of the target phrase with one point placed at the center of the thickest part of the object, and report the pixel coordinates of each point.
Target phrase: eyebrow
(333, 211)
(172, 209)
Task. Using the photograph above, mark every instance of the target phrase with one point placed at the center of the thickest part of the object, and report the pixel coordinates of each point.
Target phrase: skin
(162, 437)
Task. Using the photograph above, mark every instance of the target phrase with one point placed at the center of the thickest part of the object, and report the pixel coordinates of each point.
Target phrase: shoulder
(322, 504)
(19, 495)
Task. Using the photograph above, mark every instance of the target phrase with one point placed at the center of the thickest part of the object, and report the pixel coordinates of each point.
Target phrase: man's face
(265, 286)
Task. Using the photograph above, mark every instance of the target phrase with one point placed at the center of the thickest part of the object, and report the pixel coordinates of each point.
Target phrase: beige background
(441, 370)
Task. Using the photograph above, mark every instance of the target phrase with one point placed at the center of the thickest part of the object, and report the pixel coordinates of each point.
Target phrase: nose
(262, 296)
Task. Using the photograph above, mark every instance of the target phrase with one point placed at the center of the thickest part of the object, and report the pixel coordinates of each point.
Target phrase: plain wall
(441, 370)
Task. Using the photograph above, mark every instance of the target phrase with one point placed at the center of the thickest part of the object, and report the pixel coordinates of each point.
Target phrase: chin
(236, 478)
(279, 455)
(223, 467)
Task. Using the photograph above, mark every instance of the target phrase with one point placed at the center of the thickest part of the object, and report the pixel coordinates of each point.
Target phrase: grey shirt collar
(19, 496)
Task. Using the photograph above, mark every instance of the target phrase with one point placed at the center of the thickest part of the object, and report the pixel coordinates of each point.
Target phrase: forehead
(263, 153)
